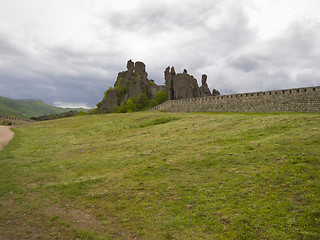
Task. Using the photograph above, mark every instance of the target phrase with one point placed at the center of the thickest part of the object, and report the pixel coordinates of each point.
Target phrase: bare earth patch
(80, 219)
(5, 136)
(76, 216)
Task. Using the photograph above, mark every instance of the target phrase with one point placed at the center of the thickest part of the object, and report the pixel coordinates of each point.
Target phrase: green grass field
(153, 175)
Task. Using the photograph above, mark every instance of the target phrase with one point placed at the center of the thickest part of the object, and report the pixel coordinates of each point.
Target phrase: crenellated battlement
(290, 100)
(16, 120)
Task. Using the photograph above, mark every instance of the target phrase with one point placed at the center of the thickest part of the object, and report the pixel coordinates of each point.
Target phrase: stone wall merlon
(296, 99)
(16, 119)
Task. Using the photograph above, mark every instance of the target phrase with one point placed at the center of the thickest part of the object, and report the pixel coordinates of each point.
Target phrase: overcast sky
(68, 52)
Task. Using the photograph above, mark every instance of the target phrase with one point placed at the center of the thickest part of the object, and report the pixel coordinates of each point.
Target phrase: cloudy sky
(68, 52)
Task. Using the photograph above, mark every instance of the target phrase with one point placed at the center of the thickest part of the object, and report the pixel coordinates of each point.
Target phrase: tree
(142, 101)
(152, 103)
(161, 97)
(130, 106)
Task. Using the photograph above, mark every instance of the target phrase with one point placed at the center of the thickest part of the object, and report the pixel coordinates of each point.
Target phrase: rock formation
(129, 84)
(134, 81)
(183, 85)
(204, 89)
(215, 92)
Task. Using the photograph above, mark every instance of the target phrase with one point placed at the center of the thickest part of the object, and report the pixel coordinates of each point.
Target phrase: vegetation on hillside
(143, 102)
(28, 108)
(60, 115)
(153, 175)
(7, 108)
(6, 123)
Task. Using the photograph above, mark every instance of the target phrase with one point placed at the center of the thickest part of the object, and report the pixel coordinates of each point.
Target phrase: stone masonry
(287, 100)
(15, 120)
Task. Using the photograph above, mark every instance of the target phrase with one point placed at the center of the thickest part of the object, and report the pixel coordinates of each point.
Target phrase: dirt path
(5, 136)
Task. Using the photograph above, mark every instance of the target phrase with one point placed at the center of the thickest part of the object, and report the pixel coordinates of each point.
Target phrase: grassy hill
(27, 108)
(153, 175)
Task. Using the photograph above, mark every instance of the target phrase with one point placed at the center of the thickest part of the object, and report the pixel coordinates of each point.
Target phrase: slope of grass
(8, 111)
(153, 175)
(28, 108)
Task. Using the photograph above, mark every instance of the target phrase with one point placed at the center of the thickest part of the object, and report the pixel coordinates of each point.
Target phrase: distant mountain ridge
(28, 108)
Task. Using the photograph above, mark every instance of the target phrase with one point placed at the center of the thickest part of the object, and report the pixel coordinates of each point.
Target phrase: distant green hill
(28, 108)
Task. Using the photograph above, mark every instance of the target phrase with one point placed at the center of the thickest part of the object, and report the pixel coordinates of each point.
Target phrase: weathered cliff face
(134, 81)
(204, 89)
(110, 101)
(130, 84)
(183, 85)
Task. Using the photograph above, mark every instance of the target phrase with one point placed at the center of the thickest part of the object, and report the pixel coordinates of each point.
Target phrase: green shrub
(99, 104)
(82, 113)
(157, 121)
(106, 92)
(120, 109)
(152, 103)
(117, 83)
(130, 106)
(96, 110)
(6, 122)
(142, 101)
(121, 92)
(161, 97)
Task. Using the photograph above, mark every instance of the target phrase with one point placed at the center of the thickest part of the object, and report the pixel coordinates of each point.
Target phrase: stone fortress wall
(16, 120)
(288, 100)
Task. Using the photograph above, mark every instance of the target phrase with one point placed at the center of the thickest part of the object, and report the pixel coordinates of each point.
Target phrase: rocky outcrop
(215, 92)
(134, 81)
(183, 85)
(204, 89)
(180, 85)
(129, 84)
(110, 101)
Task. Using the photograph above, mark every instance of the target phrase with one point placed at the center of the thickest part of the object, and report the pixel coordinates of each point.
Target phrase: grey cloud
(245, 63)
(299, 47)
(55, 74)
(78, 90)
(308, 78)
(209, 37)
(155, 17)
(8, 48)
(55, 88)
(300, 40)
(288, 60)
(197, 39)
